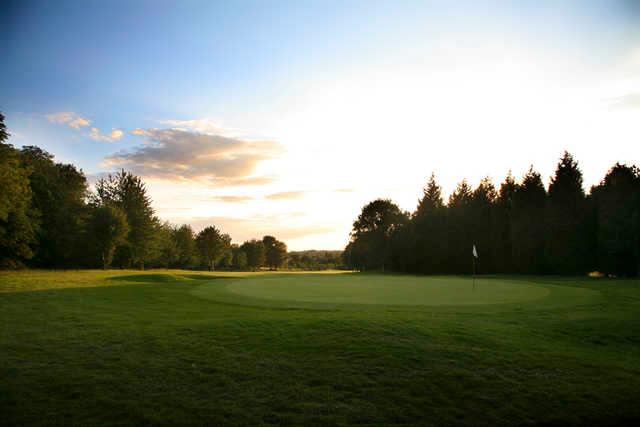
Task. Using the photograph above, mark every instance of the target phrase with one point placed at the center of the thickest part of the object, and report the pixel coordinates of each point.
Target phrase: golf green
(378, 290)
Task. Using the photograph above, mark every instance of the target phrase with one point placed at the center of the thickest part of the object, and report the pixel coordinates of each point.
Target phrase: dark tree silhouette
(59, 195)
(527, 224)
(502, 225)
(18, 221)
(47, 221)
(483, 218)
(275, 252)
(370, 246)
(254, 250)
(617, 201)
(566, 245)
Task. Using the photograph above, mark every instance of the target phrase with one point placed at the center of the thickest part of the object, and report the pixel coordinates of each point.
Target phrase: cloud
(139, 132)
(176, 154)
(630, 101)
(344, 190)
(115, 135)
(285, 195)
(203, 125)
(74, 121)
(69, 118)
(232, 199)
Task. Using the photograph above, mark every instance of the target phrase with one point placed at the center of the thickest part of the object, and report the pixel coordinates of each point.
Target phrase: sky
(285, 118)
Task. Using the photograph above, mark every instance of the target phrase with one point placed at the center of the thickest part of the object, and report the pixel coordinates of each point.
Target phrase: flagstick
(474, 272)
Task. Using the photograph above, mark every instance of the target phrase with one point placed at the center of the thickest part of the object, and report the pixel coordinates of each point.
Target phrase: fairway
(176, 347)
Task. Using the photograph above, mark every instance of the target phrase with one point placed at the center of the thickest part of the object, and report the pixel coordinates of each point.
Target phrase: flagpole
(474, 272)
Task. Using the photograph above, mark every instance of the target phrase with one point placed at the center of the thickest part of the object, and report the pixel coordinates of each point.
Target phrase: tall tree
(254, 250)
(129, 193)
(186, 252)
(431, 197)
(566, 243)
(528, 224)
(459, 229)
(18, 222)
(483, 225)
(426, 235)
(164, 252)
(617, 200)
(503, 217)
(371, 236)
(212, 245)
(275, 252)
(59, 196)
(239, 261)
(108, 227)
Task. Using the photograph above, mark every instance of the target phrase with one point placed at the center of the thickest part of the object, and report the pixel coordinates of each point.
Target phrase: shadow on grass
(205, 277)
(146, 278)
(165, 278)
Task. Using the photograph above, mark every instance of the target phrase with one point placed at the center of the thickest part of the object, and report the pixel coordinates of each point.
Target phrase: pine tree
(566, 245)
(617, 201)
(528, 224)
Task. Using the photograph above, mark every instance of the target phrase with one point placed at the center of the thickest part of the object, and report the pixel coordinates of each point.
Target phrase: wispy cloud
(285, 195)
(232, 199)
(629, 101)
(202, 125)
(69, 118)
(77, 122)
(114, 135)
(176, 154)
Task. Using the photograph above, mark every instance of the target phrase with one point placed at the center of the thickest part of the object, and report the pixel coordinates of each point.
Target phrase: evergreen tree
(483, 225)
(566, 243)
(459, 229)
(425, 237)
(528, 224)
(502, 225)
(617, 201)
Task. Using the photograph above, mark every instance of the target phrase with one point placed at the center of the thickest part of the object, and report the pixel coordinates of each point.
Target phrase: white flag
(475, 253)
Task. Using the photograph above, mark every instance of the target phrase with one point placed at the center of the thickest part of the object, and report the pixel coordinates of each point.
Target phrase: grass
(177, 347)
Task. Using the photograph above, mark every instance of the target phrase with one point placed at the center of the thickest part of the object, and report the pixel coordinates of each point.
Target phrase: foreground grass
(132, 348)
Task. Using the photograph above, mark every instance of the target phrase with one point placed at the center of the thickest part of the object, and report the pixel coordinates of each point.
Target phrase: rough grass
(140, 348)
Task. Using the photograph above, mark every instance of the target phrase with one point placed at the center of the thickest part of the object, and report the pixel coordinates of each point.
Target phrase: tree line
(315, 260)
(50, 219)
(519, 227)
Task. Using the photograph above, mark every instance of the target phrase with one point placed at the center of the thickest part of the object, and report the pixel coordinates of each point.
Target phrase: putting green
(381, 290)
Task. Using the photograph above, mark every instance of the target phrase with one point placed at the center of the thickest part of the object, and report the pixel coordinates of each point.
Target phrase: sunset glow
(269, 127)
